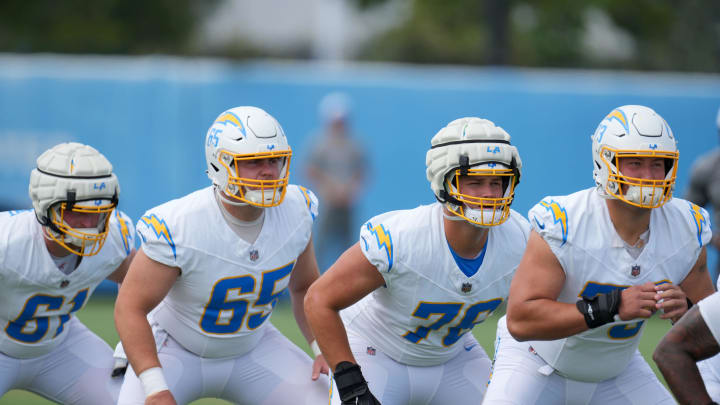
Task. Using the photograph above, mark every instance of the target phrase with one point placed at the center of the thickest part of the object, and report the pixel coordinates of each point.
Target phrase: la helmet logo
(254, 255)
(466, 287)
(635, 270)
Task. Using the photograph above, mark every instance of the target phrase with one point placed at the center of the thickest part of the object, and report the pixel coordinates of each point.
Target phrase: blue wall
(149, 117)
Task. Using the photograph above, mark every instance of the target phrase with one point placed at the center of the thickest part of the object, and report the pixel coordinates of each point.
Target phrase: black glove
(352, 387)
(119, 367)
(600, 309)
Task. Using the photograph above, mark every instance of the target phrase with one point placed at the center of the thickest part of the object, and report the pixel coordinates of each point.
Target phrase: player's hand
(638, 301)
(161, 398)
(351, 384)
(320, 366)
(672, 300)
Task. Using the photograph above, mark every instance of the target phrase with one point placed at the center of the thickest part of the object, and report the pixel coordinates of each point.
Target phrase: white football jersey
(227, 288)
(580, 233)
(427, 302)
(36, 298)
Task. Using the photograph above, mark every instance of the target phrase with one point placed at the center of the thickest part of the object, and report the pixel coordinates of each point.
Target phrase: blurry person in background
(51, 260)
(418, 280)
(704, 188)
(212, 267)
(337, 169)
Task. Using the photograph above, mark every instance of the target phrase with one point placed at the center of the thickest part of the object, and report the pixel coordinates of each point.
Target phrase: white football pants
(76, 372)
(276, 372)
(519, 377)
(463, 378)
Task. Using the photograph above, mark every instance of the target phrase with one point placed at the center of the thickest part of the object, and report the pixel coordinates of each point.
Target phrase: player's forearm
(297, 298)
(329, 331)
(681, 374)
(137, 338)
(544, 319)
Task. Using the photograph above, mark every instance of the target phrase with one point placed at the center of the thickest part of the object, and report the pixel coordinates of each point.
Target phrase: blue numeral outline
(219, 302)
(450, 311)
(14, 328)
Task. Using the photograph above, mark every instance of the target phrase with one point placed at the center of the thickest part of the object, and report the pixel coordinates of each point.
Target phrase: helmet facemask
(82, 241)
(644, 193)
(257, 192)
(481, 211)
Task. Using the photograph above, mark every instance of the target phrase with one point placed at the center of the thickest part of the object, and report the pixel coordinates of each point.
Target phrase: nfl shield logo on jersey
(635, 270)
(64, 283)
(466, 287)
(254, 255)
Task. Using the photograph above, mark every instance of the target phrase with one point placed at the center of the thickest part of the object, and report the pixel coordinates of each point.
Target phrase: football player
(694, 337)
(419, 280)
(598, 263)
(51, 260)
(212, 266)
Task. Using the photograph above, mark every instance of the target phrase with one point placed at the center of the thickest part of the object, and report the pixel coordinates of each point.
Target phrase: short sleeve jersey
(227, 287)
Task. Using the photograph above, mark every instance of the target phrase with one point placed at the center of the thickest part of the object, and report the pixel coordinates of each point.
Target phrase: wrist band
(153, 381)
(315, 348)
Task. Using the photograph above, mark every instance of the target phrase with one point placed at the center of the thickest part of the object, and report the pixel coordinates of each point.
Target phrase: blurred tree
(435, 32)
(679, 35)
(100, 26)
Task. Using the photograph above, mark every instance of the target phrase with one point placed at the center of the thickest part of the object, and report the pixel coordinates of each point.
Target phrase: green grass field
(97, 315)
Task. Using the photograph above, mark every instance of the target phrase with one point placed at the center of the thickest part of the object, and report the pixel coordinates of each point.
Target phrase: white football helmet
(474, 147)
(72, 179)
(241, 134)
(633, 131)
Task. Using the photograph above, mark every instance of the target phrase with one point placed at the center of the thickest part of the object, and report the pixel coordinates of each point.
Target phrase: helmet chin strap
(479, 215)
(635, 194)
(455, 217)
(228, 200)
(452, 217)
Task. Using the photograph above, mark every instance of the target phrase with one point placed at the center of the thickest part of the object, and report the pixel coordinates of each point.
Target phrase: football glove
(352, 387)
(120, 367)
(600, 309)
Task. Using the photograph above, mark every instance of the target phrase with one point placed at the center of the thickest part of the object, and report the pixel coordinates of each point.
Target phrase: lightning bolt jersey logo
(383, 239)
(699, 218)
(230, 118)
(308, 200)
(559, 215)
(161, 230)
(124, 231)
